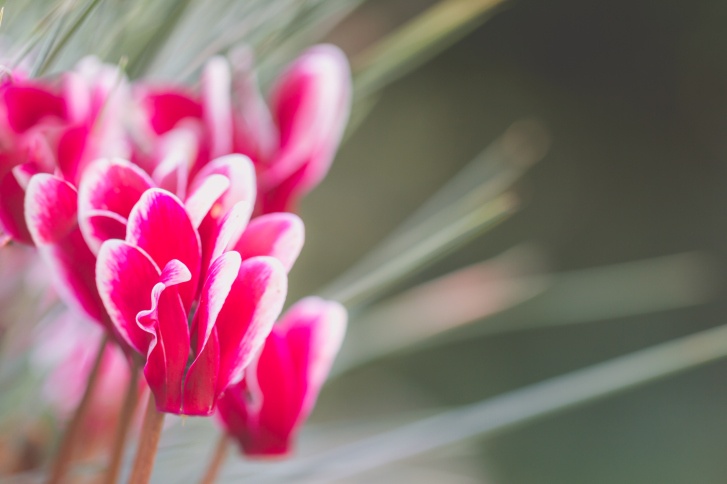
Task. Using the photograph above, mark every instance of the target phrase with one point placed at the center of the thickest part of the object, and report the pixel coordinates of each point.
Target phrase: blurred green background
(634, 96)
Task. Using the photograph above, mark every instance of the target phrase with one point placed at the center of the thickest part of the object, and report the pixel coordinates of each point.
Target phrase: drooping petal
(200, 388)
(26, 104)
(71, 149)
(166, 323)
(246, 318)
(51, 215)
(314, 332)
(167, 107)
(278, 235)
(126, 276)
(160, 226)
(311, 103)
(108, 185)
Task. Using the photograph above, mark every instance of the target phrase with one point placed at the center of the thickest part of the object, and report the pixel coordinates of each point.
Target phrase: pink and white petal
(241, 173)
(204, 196)
(110, 185)
(247, 317)
(231, 228)
(126, 276)
(160, 226)
(12, 211)
(104, 225)
(166, 323)
(50, 208)
(314, 329)
(51, 215)
(217, 104)
(200, 385)
(177, 151)
(279, 235)
(311, 104)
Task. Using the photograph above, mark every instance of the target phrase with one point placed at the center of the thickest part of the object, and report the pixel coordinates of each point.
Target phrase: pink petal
(216, 103)
(177, 151)
(28, 104)
(200, 388)
(125, 277)
(51, 214)
(108, 185)
(311, 103)
(204, 197)
(71, 148)
(246, 318)
(278, 235)
(314, 331)
(159, 225)
(168, 351)
(168, 107)
(12, 216)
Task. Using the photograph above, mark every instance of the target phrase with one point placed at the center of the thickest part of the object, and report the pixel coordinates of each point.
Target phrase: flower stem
(217, 460)
(124, 425)
(151, 431)
(63, 458)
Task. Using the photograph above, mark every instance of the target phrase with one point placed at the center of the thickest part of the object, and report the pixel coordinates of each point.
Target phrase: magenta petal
(311, 102)
(12, 211)
(166, 322)
(126, 276)
(200, 388)
(278, 235)
(159, 225)
(110, 185)
(231, 228)
(51, 214)
(241, 173)
(246, 318)
(204, 196)
(314, 331)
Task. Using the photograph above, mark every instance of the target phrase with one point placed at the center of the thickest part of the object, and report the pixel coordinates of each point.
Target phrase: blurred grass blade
(48, 60)
(427, 250)
(509, 410)
(139, 64)
(439, 306)
(486, 177)
(613, 291)
(417, 41)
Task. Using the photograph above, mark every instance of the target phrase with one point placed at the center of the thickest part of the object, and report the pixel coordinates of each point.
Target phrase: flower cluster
(165, 216)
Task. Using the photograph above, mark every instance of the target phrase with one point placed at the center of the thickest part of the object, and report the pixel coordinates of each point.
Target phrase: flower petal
(126, 276)
(110, 185)
(51, 215)
(168, 351)
(200, 388)
(204, 196)
(246, 318)
(160, 226)
(278, 235)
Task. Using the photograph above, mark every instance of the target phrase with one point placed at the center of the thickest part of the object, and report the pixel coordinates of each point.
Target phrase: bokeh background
(633, 95)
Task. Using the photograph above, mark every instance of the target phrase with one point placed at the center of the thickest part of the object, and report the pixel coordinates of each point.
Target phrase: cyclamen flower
(264, 411)
(49, 127)
(292, 144)
(148, 283)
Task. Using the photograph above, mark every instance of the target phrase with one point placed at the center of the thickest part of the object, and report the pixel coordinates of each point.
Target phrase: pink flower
(291, 147)
(264, 411)
(310, 106)
(55, 127)
(150, 285)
